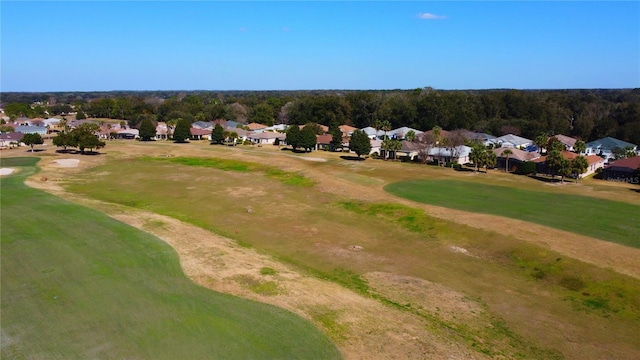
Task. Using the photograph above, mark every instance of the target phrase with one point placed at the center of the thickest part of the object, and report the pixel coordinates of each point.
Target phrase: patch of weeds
(285, 177)
(269, 288)
(258, 286)
(268, 271)
(572, 283)
(596, 303)
(409, 218)
(329, 320)
(289, 178)
(538, 274)
(153, 224)
(348, 279)
(221, 164)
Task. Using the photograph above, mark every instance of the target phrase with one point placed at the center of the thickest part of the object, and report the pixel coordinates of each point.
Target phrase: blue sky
(239, 45)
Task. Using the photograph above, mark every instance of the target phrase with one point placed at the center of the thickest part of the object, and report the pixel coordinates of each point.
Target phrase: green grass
(603, 219)
(395, 238)
(78, 284)
(285, 177)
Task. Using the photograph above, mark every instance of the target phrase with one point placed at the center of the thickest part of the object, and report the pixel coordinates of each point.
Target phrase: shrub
(526, 168)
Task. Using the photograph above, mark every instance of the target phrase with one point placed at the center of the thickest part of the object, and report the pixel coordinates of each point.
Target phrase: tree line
(586, 114)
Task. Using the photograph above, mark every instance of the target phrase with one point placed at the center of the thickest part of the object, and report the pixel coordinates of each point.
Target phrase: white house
(265, 137)
(604, 147)
(460, 154)
(512, 141)
(401, 133)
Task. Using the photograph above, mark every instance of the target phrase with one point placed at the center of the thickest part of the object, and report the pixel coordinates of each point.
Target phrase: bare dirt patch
(67, 162)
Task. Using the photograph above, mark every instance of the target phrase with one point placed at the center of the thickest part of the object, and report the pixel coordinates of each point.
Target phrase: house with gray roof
(9, 140)
(604, 147)
(401, 133)
(512, 141)
(26, 129)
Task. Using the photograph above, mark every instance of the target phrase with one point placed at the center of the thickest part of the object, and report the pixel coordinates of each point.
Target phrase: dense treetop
(587, 114)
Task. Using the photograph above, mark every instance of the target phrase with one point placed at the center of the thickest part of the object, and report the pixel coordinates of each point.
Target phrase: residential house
(22, 120)
(255, 127)
(200, 134)
(512, 141)
(128, 134)
(372, 133)
(276, 128)
(376, 147)
(28, 129)
(323, 142)
(604, 147)
(401, 133)
(9, 140)
(595, 162)
(567, 141)
(459, 154)
(203, 125)
(347, 130)
(483, 138)
(163, 131)
(623, 170)
(443, 134)
(517, 156)
(409, 150)
(242, 133)
(265, 137)
(230, 124)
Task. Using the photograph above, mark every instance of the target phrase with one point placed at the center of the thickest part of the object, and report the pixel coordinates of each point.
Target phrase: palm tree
(580, 147)
(506, 153)
(478, 155)
(541, 141)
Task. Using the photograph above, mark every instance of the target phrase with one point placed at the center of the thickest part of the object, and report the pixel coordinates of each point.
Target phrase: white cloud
(430, 16)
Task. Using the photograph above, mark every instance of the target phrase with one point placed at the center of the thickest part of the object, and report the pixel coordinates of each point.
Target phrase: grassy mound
(78, 284)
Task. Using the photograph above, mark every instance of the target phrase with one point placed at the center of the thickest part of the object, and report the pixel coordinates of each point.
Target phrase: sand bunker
(68, 162)
(6, 171)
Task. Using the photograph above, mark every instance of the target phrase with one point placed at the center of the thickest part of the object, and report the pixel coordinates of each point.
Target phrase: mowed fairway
(78, 284)
(603, 219)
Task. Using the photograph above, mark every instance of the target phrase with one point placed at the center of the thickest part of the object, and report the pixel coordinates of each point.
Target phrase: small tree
(580, 147)
(490, 160)
(32, 139)
(425, 143)
(336, 138)
(506, 153)
(411, 135)
(147, 130)
(217, 135)
(541, 141)
(554, 162)
(360, 143)
(182, 131)
(84, 137)
(80, 115)
(293, 136)
(308, 138)
(579, 166)
(63, 140)
(478, 156)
